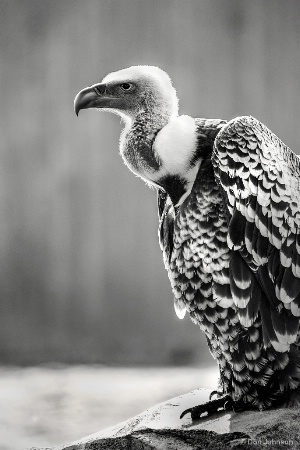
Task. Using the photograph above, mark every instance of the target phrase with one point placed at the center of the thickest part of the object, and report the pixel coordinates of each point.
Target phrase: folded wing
(260, 177)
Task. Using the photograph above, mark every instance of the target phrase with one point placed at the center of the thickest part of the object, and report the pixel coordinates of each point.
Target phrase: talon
(210, 407)
(196, 411)
(218, 393)
(186, 411)
(228, 405)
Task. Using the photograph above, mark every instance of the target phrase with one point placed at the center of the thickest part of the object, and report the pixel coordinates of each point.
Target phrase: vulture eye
(127, 87)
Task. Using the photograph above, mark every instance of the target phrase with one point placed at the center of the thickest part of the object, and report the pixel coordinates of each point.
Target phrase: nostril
(99, 89)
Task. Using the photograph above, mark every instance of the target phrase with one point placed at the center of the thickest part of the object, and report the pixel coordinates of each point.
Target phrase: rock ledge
(159, 428)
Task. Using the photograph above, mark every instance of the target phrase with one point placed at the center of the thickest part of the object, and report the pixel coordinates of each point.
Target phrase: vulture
(229, 229)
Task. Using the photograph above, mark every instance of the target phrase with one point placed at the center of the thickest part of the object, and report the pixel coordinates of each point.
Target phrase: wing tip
(180, 308)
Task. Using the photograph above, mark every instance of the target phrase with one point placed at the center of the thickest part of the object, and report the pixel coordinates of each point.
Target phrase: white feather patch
(180, 308)
(176, 143)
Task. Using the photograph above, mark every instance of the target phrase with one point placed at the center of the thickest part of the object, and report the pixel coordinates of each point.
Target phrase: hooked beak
(92, 97)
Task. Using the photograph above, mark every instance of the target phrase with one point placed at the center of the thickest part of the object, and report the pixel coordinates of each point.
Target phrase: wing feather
(260, 177)
(165, 236)
(166, 225)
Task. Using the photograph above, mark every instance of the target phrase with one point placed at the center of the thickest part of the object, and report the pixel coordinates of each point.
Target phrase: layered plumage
(229, 228)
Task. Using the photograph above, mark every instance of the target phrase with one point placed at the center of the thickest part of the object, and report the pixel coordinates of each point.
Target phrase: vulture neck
(137, 139)
(161, 149)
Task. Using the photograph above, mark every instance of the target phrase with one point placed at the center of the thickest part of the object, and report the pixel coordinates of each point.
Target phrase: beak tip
(76, 105)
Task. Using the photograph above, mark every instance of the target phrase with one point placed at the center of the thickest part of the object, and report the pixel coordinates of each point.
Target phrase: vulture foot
(213, 406)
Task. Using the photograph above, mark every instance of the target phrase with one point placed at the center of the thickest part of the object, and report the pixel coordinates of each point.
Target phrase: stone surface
(161, 428)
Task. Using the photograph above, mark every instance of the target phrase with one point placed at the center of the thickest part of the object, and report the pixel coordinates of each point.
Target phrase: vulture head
(132, 93)
(156, 144)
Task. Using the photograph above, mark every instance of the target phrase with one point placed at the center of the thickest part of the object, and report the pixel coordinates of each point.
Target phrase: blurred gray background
(81, 273)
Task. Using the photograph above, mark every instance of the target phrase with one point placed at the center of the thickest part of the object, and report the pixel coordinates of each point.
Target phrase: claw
(218, 393)
(210, 407)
